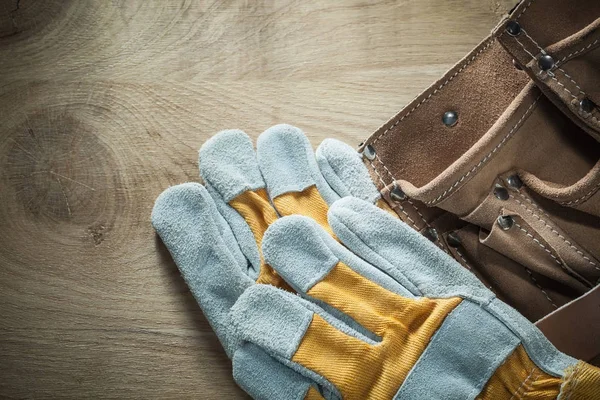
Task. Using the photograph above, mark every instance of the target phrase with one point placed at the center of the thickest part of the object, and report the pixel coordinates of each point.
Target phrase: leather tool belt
(498, 163)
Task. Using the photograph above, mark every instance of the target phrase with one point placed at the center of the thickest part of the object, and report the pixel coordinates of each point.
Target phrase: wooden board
(103, 104)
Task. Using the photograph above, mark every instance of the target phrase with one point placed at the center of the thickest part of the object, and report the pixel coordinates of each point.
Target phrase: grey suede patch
(263, 377)
(288, 163)
(203, 248)
(538, 347)
(227, 162)
(344, 170)
(296, 251)
(241, 233)
(461, 356)
(270, 318)
(375, 234)
(303, 253)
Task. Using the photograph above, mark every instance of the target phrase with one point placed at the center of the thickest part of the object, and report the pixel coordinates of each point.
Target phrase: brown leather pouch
(499, 161)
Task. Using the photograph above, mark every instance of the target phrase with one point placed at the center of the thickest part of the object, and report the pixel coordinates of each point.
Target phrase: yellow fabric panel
(519, 378)
(369, 371)
(258, 213)
(256, 209)
(313, 394)
(307, 202)
(582, 382)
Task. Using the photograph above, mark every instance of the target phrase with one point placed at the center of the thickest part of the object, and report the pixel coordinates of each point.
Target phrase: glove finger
(343, 169)
(263, 377)
(358, 225)
(331, 353)
(316, 265)
(290, 170)
(228, 164)
(203, 247)
(229, 167)
(297, 333)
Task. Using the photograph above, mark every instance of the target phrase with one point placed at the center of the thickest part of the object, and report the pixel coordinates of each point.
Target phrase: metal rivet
(500, 192)
(586, 105)
(431, 234)
(545, 62)
(398, 194)
(505, 222)
(513, 28)
(453, 240)
(517, 65)
(514, 181)
(450, 118)
(369, 152)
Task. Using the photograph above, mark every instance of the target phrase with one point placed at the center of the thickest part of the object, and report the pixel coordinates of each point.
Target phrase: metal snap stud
(505, 222)
(453, 240)
(369, 152)
(500, 192)
(545, 62)
(398, 194)
(513, 28)
(450, 118)
(586, 105)
(514, 182)
(431, 234)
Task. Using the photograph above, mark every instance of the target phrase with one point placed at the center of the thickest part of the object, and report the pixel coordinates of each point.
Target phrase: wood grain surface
(103, 104)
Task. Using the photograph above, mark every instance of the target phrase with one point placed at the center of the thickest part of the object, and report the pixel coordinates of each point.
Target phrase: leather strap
(575, 327)
(565, 71)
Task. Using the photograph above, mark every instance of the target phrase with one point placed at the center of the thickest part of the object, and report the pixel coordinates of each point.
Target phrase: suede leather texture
(456, 354)
(217, 253)
(260, 326)
(524, 122)
(275, 320)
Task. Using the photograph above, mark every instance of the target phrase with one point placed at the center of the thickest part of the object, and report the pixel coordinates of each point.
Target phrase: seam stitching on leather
(525, 49)
(585, 196)
(553, 76)
(557, 234)
(418, 212)
(539, 243)
(578, 51)
(571, 79)
(488, 156)
(377, 173)
(465, 261)
(527, 199)
(414, 224)
(386, 168)
(399, 206)
(525, 9)
(540, 287)
(469, 61)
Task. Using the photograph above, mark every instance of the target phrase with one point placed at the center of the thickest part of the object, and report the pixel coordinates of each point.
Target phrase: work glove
(381, 311)
(214, 232)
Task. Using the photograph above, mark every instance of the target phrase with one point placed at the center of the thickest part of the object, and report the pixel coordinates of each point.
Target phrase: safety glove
(390, 315)
(214, 232)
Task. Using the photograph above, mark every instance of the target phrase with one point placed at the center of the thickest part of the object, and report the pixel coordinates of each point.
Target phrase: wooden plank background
(103, 104)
